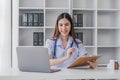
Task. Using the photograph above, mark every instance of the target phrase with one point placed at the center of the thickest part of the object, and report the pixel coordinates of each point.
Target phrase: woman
(64, 48)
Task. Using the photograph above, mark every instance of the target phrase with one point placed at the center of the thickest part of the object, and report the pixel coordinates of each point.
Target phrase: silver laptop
(34, 59)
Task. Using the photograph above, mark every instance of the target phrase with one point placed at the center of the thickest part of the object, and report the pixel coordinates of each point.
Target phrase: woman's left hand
(93, 64)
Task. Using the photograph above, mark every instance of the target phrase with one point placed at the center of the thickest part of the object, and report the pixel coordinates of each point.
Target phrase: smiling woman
(64, 48)
(5, 34)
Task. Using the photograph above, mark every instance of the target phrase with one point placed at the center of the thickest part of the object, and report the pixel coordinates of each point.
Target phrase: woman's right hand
(70, 52)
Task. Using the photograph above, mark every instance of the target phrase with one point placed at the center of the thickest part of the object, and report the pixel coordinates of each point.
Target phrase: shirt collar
(59, 41)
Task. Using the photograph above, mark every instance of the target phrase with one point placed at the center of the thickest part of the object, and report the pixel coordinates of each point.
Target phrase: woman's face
(64, 27)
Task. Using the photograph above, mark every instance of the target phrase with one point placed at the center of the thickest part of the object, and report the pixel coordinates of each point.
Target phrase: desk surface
(99, 73)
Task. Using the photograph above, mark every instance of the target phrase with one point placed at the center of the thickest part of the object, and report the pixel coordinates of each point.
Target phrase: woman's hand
(70, 52)
(93, 64)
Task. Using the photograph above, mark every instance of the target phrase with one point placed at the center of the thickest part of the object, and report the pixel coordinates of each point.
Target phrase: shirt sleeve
(49, 45)
(81, 49)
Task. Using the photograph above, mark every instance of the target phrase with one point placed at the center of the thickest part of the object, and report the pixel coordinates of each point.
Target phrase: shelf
(107, 28)
(107, 10)
(85, 28)
(108, 46)
(29, 27)
(29, 46)
(56, 9)
(90, 46)
(85, 9)
(30, 8)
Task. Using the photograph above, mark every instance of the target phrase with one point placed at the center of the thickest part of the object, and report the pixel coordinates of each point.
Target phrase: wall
(5, 34)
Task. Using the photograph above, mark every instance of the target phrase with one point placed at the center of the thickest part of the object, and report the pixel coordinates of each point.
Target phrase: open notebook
(83, 61)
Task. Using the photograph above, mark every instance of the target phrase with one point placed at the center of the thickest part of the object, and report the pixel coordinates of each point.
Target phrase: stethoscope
(54, 52)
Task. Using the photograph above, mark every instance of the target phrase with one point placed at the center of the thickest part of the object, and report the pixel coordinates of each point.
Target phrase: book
(83, 61)
(80, 20)
(24, 19)
(20, 20)
(75, 19)
(35, 19)
(41, 19)
(30, 19)
(41, 37)
(35, 39)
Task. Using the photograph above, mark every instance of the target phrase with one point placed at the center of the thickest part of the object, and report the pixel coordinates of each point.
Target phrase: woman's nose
(64, 27)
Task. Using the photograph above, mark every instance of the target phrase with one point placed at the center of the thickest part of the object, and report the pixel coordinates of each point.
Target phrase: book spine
(30, 19)
(41, 19)
(80, 20)
(35, 38)
(20, 20)
(75, 19)
(41, 37)
(24, 19)
(36, 19)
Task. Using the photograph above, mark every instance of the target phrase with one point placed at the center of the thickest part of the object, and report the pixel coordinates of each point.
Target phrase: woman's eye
(66, 24)
(60, 25)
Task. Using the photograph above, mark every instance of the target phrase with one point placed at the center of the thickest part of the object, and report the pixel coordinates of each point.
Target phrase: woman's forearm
(54, 62)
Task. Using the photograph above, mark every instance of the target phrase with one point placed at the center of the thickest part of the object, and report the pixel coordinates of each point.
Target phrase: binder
(41, 37)
(35, 39)
(36, 19)
(80, 20)
(41, 19)
(24, 19)
(30, 19)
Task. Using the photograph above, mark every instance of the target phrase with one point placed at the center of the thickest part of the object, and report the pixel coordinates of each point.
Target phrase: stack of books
(77, 19)
(32, 19)
(38, 38)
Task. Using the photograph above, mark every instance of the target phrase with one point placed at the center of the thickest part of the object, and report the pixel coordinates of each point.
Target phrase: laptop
(34, 59)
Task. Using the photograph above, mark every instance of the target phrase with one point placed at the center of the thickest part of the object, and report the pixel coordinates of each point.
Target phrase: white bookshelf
(101, 24)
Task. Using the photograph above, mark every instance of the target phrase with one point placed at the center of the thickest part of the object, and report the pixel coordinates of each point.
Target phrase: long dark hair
(68, 17)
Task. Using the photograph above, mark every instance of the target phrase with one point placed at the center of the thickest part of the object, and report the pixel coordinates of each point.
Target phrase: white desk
(99, 73)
